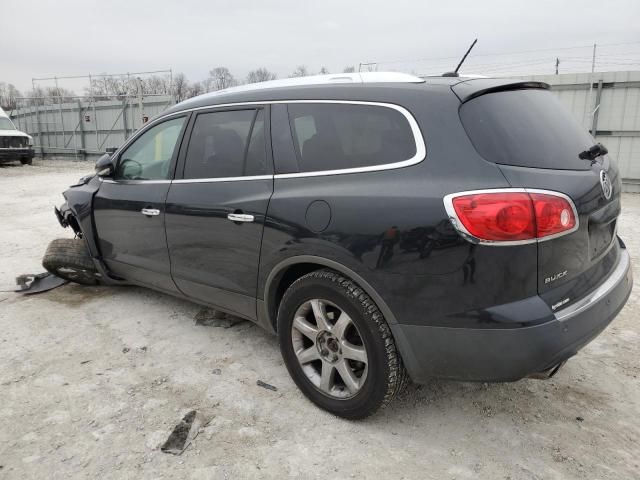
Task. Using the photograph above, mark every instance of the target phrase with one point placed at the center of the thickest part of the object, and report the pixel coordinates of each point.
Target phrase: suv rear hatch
(536, 142)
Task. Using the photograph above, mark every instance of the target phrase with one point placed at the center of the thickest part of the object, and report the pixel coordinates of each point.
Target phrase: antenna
(455, 72)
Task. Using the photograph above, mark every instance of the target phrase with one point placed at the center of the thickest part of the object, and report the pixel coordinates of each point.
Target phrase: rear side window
(227, 144)
(332, 136)
(525, 128)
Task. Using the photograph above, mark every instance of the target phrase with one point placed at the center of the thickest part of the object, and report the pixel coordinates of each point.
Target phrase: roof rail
(361, 77)
(461, 75)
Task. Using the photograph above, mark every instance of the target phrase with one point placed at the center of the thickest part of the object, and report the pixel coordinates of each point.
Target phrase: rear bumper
(513, 353)
(12, 154)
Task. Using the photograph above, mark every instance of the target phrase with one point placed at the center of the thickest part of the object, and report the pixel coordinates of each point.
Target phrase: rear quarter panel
(391, 228)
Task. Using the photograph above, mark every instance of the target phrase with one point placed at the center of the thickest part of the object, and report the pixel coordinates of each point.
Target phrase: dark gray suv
(384, 226)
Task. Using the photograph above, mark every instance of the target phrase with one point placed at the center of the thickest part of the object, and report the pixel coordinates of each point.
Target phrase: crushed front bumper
(513, 353)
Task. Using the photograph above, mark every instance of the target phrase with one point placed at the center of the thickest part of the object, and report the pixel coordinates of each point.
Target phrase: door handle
(240, 217)
(150, 212)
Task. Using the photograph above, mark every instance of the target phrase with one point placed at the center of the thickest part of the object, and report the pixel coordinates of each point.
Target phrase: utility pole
(557, 64)
(58, 93)
(37, 109)
(593, 69)
(139, 84)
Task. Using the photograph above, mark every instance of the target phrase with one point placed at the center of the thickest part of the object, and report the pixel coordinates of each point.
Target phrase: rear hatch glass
(525, 128)
(530, 128)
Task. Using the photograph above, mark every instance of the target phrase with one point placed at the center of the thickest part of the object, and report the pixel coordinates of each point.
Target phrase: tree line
(116, 87)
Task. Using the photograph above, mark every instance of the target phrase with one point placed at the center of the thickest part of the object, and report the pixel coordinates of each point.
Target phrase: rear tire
(26, 161)
(69, 259)
(329, 329)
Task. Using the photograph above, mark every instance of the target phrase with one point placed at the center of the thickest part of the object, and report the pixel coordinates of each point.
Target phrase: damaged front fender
(66, 219)
(76, 211)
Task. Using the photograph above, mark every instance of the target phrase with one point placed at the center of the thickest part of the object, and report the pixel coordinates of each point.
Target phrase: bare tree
(97, 89)
(58, 95)
(105, 87)
(156, 85)
(350, 69)
(36, 96)
(48, 95)
(260, 75)
(324, 71)
(116, 86)
(300, 71)
(220, 78)
(9, 96)
(196, 88)
(180, 87)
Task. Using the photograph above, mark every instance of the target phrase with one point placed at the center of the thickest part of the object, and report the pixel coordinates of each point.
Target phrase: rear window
(338, 136)
(526, 128)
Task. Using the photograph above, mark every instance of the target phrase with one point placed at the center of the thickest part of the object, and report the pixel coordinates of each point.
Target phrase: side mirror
(104, 166)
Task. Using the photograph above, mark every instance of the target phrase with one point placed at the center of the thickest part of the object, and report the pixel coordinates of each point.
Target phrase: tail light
(510, 216)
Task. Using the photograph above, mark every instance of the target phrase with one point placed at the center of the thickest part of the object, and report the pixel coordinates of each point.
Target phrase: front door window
(149, 156)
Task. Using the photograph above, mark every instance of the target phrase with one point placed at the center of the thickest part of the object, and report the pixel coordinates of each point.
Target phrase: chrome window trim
(612, 281)
(420, 155)
(223, 179)
(189, 180)
(457, 224)
(132, 182)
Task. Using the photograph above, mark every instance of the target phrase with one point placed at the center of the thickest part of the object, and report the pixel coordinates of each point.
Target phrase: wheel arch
(289, 270)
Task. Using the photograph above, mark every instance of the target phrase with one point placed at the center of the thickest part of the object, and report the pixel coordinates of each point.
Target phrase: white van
(14, 144)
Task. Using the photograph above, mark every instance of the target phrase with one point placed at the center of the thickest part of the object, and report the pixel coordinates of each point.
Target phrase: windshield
(5, 124)
(526, 128)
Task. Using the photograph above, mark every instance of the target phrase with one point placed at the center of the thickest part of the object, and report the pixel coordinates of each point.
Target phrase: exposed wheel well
(75, 226)
(283, 281)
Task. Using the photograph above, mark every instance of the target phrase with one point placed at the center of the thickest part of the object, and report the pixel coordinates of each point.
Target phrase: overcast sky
(76, 37)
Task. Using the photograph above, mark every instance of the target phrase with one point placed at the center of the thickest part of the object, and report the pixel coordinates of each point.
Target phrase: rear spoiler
(473, 88)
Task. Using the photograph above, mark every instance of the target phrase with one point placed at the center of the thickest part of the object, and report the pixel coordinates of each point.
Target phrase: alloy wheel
(329, 348)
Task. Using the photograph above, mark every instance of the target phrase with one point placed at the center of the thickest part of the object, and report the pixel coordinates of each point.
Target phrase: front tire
(69, 259)
(337, 345)
(26, 161)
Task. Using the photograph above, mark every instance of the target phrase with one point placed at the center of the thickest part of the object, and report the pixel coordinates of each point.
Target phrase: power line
(520, 52)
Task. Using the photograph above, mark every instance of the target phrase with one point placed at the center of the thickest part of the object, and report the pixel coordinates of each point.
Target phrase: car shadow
(15, 163)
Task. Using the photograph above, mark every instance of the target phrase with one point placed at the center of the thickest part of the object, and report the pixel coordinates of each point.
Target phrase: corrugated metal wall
(609, 104)
(83, 127)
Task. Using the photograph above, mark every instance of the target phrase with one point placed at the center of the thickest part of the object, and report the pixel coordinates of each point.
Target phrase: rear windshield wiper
(593, 152)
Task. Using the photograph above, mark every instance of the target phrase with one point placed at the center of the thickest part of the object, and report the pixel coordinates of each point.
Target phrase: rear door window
(330, 136)
(526, 128)
(227, 144)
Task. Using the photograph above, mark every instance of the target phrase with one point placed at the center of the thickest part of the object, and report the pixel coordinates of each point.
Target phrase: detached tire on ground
(337, 345)
(68, 258)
